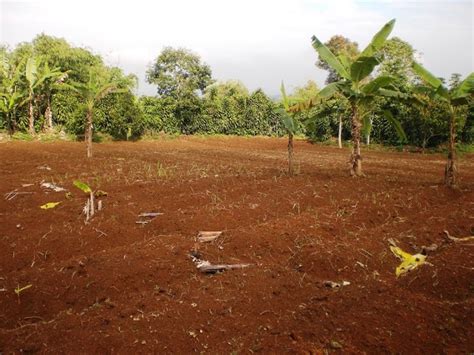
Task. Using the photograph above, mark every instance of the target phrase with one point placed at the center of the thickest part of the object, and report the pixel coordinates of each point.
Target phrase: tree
(397, 60)
(454, 98)
(290, 125)
(179, 73)
(44, 78)
(31, 74)
(11, 97)
(52, 79)
(339, 45)
(224, 106)
(357, 87)
(100, 84)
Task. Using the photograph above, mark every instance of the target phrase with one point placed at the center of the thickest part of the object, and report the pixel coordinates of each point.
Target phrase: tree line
(48, 84)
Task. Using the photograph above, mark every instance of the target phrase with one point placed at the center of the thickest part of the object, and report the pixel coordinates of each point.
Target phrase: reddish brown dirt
(116, 286)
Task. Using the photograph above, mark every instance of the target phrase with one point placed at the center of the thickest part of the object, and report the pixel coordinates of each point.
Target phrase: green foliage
(354, 85)
(228, 108)
(123, 119)
(82, 186)
(158, 114)
(179, 73)
(398, 58)
(345, 51)
(378, 80)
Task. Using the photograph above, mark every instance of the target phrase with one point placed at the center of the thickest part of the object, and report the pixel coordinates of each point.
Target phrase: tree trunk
(88, 136)
(9, 121)
(355, 160)
(339, 134)
(31, 117)
(48, 114)
(450, 171)
(290, 154)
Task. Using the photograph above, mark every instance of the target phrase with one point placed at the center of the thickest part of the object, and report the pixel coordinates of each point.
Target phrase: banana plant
(52, 78)
(356, 86)
(289, 121)
(11, 98)
(36, 76)
(31, 74)
(459, 96)
(98, 86)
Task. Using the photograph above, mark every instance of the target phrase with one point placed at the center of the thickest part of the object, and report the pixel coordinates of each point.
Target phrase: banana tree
(98, 86)
(36, 76)
(51, 79)
(290, 124)
(31, 73)
(356, 86)
(457, 97)
(10, 97)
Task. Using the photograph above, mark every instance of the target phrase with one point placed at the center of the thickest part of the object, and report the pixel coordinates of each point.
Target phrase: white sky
(259, 42)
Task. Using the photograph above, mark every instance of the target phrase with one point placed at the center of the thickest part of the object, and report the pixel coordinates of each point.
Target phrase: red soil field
(115, 286)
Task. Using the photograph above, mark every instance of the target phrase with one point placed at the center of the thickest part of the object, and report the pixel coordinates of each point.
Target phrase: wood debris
(204, 237)
(458, 240)
(150, 214)
(44, 167)
(51, 186)
(147, 217)
(12, 194)
(332, 284)
(206, 267)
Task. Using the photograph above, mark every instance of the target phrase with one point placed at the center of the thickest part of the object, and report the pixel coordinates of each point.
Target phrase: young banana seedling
(90, 208)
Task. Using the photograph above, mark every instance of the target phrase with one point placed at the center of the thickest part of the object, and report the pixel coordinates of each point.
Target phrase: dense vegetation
(47, 84)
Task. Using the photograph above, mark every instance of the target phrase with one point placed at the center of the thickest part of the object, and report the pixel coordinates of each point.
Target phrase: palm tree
(457, 97)
(356, 86)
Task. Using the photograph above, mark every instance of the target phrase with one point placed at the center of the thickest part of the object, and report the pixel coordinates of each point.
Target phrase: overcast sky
(259, 42)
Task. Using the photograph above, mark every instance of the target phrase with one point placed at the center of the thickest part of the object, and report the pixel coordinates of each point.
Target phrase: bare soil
(115, 286)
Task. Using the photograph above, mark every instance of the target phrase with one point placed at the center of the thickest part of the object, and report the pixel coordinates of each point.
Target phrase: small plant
(89, 208)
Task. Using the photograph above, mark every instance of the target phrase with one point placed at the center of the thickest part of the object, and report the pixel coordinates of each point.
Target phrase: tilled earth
(117, 286)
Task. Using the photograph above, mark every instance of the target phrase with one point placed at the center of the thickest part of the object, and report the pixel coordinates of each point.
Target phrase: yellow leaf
(49, 205)
(409, 262)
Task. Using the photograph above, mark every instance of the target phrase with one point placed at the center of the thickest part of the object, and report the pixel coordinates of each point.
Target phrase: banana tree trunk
(88, 136)
(10, 126)
(355, 159)
(31, 117)
(450, 171)
(48, 114)
(290, 154)
(339, 134)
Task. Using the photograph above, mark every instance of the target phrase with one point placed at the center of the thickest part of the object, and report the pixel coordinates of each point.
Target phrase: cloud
(258, 42)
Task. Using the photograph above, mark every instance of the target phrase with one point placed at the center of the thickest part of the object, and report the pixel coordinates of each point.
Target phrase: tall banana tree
(11, 98)
(51, 79)
(356, 86)
(31, 73)
(290, 124)
(98, 86)
(457, 97)
(36, 76)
